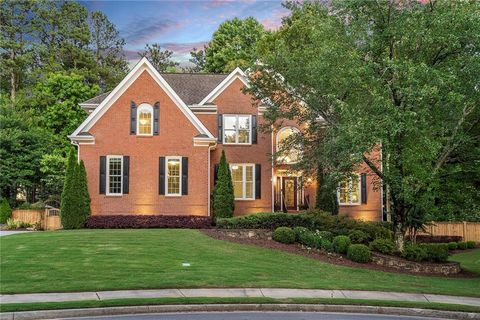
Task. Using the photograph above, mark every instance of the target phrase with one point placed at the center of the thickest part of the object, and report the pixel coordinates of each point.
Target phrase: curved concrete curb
(112, 311)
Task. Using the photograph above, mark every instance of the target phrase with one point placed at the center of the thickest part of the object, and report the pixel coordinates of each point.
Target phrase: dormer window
(145, 120)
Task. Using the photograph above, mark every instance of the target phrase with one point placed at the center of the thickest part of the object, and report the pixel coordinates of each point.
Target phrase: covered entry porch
(292, 191)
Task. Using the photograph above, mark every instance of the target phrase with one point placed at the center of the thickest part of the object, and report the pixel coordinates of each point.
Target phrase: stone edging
(112, 311)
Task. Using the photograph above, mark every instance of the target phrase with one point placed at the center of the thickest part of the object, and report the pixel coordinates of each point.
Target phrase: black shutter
(133, 118)
(363, 187)
(126, 174)
(156, 116)
(184, 175)
(215, 173)
(161, 175)
(220, 128)
(103, 175)
(258, 181)
(254, 129)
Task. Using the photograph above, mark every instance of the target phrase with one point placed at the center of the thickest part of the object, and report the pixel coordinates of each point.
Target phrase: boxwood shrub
(309, 239)
(452, 246)
(298, 232)
(358, 236)
(436, 252)
(284, 235)
(471, 244)
(341, 244)
(326, 235)
(462, 246)
(327, 245)
(359, 253)
(264, 221)
(414, 252)
(385, 246)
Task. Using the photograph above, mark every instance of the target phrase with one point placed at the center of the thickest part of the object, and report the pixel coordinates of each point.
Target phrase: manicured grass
(178, 301)
(468, 260)
(135, 259)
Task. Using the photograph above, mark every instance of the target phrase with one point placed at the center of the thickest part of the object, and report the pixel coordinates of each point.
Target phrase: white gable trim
(235, 74)
(142, 65)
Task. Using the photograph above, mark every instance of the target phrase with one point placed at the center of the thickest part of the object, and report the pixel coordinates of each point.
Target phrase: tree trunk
(399, 234)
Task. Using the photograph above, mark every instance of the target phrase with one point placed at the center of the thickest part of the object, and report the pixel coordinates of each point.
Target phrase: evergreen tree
(160, 59)
(5, 211)
(223, 197)
(69, 207)
(326, 193)
(83, 190)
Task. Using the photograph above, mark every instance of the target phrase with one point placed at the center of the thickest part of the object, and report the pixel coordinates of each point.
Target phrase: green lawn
(469, 260)
(133, 259)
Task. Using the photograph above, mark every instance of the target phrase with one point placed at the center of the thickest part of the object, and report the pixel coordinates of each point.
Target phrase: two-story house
(152, 145)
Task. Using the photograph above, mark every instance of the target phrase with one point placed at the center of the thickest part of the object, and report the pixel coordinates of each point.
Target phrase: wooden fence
(49, 218)
(470, 231)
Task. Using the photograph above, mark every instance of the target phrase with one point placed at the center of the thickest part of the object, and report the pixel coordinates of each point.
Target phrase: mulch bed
(332, 258)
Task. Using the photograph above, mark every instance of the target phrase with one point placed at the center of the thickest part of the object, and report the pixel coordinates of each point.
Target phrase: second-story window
(237, 129)
(145, 120)
(349, 191)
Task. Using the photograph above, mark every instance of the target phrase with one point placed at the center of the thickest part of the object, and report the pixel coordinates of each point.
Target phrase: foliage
(436, 252)
(198, 61)
(223, 197)
(452, 246)
(403, 75)
(298, 232)
(5, 210)
(233, 45)
(160, 59)
(414, 252)
(147, 221)
(327, 235)
(284, 235)
(264, 221)
(358, 236)
(385, 246)
(14, 224)
(462, 246)
(326, 199)
(327, 245)
(471, 244)
(438, 239)
(82, 189)
(341, 244)
(310, 240)
(359, 253)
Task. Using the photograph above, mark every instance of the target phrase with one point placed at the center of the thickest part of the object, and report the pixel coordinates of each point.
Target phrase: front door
(290, 192)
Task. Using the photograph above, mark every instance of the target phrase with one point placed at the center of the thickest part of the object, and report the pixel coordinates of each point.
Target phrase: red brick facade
(111, 134)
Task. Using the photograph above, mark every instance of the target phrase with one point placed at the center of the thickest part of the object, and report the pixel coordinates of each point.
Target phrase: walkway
(236, 293)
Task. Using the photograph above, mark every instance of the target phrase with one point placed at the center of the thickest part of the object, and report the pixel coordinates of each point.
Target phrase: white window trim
(244, 180)
(236, 130)
(107, 192)
(277, 140)
(179, 194)
(350, 182)
(149, 108)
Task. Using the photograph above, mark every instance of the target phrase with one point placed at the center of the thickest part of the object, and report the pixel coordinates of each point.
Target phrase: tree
(400, 78)
(233, 45)
(326, 199)
(160, 59)
(107, 46)
(5, 210)
(83, 190)
(223, 197)
(72, 206)
(198, 60)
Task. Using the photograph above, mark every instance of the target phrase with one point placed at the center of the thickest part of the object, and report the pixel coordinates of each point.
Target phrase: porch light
(309, 180)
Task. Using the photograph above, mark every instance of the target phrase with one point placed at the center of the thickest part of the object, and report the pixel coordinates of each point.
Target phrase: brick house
(151, 146)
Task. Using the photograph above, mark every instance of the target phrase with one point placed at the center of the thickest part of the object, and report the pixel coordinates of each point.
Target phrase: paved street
(258, 316)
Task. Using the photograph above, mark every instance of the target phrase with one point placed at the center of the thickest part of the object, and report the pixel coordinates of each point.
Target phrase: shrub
(437, 239)
(341, 244)
(327, 235)
(471, 244)
(327, 245)
(385, 246)
(452, 246)
(147, 221)
(310, 240)
(461, 245)
(12, 224)
(264, 221)
(298, 232)
(358, 236)
(284, 235)
(414, 252)
(359, 253)
(436, 252)
(5, 211)
(223, 198)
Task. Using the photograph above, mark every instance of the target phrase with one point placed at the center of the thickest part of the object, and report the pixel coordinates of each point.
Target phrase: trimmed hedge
(436, 252)
(462, 246)
(471, 244)
(452, 246)
(341, 244)
(358, 236)
(359, 253)
(385, 246)
(147, 221)
(265, 221)
(298, 232)
(437, 239)
(284, 235)
(414, 252)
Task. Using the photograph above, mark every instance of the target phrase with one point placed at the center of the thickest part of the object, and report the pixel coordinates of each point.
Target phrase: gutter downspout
(78, 150)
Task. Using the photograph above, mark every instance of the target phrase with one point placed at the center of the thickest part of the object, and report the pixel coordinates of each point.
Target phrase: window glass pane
(173, 173)
(145, 122)
(244, 136)
(115, 175)
(230, 136)
(243, 122)
(249, 190)
(355, 190)
(343, 196)
(237, 179)
(287, 156)
(229, 122)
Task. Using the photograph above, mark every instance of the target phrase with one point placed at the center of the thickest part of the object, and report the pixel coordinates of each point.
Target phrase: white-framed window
(173, 181)
(145, 120)
(291, 156)
(349, 191)
(237, 129)
(243, 178)
(114, 175)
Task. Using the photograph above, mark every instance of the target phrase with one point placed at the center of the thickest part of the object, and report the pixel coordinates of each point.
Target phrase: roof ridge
(197, 73)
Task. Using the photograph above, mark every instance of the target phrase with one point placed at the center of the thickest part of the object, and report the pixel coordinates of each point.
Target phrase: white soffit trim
(141, 66)
(235, 74)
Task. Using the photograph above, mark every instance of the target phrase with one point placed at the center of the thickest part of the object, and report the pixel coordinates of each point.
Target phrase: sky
(180, 25)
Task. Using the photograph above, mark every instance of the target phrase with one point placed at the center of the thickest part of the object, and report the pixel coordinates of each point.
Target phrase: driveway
(8, 232)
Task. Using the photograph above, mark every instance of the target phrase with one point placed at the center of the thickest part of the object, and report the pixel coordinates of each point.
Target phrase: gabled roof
(95, 100)
(235, 74)
(140, 67)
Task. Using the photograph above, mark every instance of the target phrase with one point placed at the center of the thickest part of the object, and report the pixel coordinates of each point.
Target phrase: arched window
(145, 120)
(287, 156)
